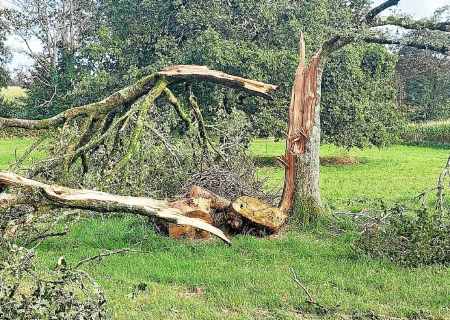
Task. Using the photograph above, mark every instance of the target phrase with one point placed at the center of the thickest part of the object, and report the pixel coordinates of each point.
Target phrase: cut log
(217, 202)
(62, 197)
(257, 212)
(192, 208)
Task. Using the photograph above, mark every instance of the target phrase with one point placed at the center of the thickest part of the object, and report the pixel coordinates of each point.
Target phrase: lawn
(397, 173)
(13, 92)
(10, 148)
(251, 279)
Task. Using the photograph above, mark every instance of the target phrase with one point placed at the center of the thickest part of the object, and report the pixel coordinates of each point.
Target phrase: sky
(417, 8)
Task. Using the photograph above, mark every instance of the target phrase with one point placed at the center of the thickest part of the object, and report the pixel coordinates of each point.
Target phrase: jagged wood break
(301, 121)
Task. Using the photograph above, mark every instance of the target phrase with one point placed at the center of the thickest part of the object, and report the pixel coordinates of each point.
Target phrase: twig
(355, 215)
(310, 298)
(106, 254)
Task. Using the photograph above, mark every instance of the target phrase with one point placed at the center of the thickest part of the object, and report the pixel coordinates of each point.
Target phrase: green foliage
(69, 294)
(413, 238)
(358, 100)
(52, 92)
(13, 107)
(431, 131)
(5, 57)
(255, 39)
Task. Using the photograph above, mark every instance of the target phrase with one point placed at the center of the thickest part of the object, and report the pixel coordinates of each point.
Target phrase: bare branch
(377, 10)
(62, 197)
(310, 298)
(201, 73)
(443, 49)
(106, 254)
(408, 23)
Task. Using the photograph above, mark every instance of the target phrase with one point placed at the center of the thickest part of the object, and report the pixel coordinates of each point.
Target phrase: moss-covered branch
(179, 110)
(96, 109)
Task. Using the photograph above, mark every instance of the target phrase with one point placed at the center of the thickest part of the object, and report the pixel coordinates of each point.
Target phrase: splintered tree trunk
(307, 204)
(301, 158)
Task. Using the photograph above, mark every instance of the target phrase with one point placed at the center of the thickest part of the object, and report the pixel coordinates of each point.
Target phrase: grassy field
(13, 92)
(10, 147)
(393, 174)
(251, 279)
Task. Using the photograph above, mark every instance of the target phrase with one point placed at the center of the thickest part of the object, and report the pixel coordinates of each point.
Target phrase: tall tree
(5, 57)
(429, 34)
(57, 25)
(423, 82)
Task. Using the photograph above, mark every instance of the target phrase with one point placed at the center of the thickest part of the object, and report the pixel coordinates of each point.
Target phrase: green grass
(393, 174)
(251, 279)
(8, 149)
(13, 92)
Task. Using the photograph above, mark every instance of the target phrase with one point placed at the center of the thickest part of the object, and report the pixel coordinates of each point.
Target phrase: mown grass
(251, 279)
(9, 148)
(392, 174)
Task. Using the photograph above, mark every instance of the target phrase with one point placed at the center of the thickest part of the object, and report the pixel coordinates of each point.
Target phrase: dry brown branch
(106, 254)
(310, 299)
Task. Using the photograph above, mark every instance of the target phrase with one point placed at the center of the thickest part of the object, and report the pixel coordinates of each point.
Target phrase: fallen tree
(122, 113)
(97, 122)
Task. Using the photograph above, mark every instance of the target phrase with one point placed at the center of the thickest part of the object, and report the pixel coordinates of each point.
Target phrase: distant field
(12, 92)
(437, 131)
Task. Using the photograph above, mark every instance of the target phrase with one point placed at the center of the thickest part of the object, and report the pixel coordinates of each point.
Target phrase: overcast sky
(417, 8)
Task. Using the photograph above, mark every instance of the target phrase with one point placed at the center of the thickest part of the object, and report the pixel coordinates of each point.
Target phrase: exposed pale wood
(301, 121)
(192, 208)
(217, 202)
(105, 202)
(202, 73)
(257, 212)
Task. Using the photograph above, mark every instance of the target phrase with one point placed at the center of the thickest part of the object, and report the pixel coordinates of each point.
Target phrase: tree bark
(307, 202)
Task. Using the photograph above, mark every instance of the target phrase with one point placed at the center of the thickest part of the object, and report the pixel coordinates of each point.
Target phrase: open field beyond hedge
(251, 279)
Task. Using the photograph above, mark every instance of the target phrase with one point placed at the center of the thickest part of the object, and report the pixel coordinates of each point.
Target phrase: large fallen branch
(62, 197)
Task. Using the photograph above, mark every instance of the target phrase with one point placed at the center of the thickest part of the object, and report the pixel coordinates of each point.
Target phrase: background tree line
(92, 48)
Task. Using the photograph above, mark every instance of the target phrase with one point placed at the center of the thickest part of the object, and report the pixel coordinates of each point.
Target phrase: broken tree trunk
(301, 121)
(62, 197)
